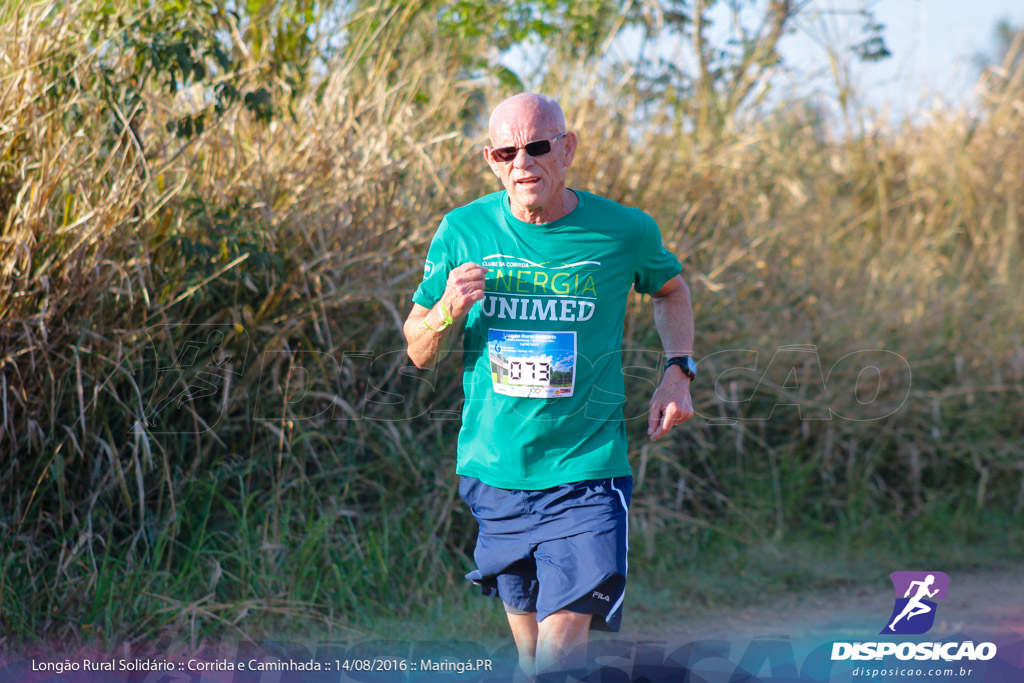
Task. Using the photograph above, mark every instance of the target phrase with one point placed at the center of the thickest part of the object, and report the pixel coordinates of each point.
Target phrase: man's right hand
(465, 287)
(424, 342)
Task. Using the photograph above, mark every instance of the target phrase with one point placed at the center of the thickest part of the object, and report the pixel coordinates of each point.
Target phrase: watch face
(685, 364)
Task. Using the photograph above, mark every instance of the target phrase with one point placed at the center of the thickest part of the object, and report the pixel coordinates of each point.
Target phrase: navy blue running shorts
(557, 548)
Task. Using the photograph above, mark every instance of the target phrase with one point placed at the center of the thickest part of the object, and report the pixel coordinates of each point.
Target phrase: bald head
(540, 111)
(533, 174)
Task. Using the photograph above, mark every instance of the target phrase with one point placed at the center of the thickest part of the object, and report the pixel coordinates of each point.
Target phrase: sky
(933, 44)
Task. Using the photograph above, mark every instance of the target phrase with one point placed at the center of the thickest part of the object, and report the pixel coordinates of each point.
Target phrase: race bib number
(532, 364)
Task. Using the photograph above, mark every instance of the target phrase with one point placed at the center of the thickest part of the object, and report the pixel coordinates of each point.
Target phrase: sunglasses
(537, 148)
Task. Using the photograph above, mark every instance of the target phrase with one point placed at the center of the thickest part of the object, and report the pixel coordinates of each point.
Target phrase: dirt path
(981, 602)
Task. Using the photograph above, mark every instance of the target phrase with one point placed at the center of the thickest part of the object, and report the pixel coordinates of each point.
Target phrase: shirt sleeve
(654, 265)
(440, 261)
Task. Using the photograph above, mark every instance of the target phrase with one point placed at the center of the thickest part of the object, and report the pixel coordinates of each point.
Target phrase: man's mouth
(527, 181)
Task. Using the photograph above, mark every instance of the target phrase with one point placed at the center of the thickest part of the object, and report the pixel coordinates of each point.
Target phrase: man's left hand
(670, 404)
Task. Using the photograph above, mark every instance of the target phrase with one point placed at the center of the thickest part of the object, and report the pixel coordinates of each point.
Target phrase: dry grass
(246, 506)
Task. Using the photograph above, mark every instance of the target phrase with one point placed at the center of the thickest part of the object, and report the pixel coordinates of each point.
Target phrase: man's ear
(490, 162)
(570, 148)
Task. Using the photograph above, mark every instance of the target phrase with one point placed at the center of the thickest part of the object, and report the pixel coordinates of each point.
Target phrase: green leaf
(509, 79)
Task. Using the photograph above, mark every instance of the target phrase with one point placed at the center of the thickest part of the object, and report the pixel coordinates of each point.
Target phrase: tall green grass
(283, 490)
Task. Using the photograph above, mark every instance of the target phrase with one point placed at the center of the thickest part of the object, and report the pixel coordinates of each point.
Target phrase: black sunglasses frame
(537, 148)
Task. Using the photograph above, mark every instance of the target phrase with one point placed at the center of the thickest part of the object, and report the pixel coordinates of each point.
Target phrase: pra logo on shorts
(915, 605)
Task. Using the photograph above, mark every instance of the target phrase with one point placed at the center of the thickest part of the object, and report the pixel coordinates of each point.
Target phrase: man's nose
(522, 159)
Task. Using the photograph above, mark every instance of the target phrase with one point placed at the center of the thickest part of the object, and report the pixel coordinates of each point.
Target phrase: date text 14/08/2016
(459, 667)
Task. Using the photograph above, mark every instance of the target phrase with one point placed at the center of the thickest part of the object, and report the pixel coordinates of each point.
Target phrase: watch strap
(685, 364)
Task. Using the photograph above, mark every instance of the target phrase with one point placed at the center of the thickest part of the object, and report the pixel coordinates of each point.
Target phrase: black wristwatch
(685, 364)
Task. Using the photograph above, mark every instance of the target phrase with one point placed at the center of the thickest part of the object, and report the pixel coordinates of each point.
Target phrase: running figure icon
(915, 594)
(914, 606)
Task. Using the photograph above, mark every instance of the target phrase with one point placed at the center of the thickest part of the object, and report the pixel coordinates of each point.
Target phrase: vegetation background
(213, 216)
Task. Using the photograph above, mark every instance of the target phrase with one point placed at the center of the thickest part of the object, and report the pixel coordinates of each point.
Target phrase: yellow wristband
(446, 317)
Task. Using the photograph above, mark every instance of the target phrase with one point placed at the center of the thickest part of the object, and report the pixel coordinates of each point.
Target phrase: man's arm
(673, 318)
(427, 337)
(425, 348)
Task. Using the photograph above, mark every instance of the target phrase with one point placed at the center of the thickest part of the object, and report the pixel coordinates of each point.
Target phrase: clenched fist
(465, 287)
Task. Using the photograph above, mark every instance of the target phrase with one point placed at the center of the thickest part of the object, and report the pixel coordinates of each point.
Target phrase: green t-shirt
(542, 351)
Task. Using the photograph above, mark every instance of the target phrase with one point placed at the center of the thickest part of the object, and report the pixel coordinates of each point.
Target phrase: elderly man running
(537, 275)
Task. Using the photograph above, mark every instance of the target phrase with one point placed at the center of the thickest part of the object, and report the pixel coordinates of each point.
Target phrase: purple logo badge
(914, 610)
